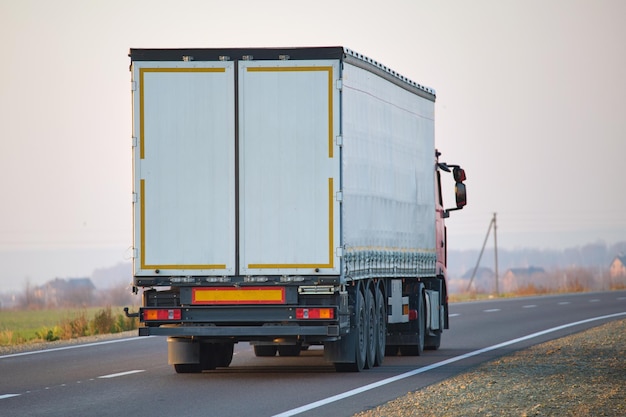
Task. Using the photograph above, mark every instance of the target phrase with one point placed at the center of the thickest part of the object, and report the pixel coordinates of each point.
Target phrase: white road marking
(530, 306)
(106, 342)
(491, 310)
(122, 373)
(562, 303)
(356, 391)
(453, 315)
(3, 396)
(594, 300)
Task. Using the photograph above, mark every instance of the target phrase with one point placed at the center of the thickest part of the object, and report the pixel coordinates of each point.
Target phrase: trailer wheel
(265, 350)
(433, 342)
(371, 328)
(224, 354)
(381, 335)
(188, 368)
(289, 350)
(361, 333)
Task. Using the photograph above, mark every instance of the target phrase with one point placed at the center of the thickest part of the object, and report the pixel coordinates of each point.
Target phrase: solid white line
(3, 396)
(122, 373)
(417, 371)
(106, 342)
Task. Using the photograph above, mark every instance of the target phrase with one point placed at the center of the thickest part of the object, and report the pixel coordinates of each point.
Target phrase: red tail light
(161, 314)
(315, 313)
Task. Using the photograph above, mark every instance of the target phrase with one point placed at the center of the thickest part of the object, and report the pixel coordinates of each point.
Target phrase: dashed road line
(491, 310)
(530, 306)
(3, 396)
(121, 374)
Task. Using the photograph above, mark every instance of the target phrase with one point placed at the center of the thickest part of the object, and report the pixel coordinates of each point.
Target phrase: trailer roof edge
(292, 53)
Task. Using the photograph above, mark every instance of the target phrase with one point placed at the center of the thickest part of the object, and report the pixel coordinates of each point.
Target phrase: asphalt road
(130, 377)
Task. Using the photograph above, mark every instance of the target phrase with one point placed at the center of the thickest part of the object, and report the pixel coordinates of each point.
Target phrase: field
(21, 326)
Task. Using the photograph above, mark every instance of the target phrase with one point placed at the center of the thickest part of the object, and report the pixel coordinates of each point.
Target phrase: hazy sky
(530, 100)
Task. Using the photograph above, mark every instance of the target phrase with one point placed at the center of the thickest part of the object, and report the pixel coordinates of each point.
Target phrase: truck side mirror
(460, 194)
(459, 174)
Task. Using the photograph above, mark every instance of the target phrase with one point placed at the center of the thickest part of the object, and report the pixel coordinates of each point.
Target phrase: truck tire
(265, 350)
(289, 350)
(188, 368)
(381, 334)
(433, 342)
(224, 354)
(371, 329)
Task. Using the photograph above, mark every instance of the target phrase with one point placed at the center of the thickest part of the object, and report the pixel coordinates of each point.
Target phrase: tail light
(315, 313)
(162, 314)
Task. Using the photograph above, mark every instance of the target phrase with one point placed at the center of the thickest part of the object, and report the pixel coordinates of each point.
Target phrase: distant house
(66, 292)
(484, 279)
(618, 267)
(517, 278)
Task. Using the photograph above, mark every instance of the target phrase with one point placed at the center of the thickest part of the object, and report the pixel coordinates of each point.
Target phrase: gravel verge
(579, 375)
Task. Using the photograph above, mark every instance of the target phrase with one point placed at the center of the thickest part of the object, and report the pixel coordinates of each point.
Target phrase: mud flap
(341, 351)
(182, 350)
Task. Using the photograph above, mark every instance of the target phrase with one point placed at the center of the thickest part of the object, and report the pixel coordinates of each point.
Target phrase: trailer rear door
(289, 167)
(184, 167)
(236, 173)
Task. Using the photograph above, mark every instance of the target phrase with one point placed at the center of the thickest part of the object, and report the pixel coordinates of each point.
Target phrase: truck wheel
(209, 356)
(361, 322)
(224, 354)
(381, 335)
(188, 368)
(371, 329)
(289, 350)
(433, 342)
(264, 350)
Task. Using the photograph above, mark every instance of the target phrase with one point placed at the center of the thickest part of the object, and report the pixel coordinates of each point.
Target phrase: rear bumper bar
(242, 332)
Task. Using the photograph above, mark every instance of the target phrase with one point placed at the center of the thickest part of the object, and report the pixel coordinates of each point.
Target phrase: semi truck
(286, 197)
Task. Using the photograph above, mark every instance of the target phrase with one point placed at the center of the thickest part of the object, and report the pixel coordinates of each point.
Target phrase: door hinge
(339, 196)
(134, 141)
(339, 84)
(133, 86)
(339, 140)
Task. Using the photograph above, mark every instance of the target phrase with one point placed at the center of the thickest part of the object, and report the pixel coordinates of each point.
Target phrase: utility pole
(493, 224)
(495, 248)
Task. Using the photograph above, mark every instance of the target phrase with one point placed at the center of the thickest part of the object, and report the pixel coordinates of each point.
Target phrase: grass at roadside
(23, 326)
